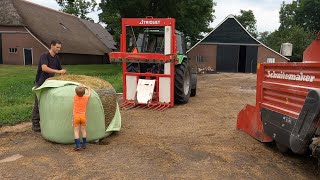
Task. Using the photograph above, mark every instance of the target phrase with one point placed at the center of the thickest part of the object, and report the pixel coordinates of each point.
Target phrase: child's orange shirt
(80, 105)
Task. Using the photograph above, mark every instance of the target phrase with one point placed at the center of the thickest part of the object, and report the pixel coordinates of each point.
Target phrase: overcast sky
(265, 11)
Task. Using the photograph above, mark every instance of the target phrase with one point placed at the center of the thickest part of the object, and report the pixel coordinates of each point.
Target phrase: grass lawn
(16, 97)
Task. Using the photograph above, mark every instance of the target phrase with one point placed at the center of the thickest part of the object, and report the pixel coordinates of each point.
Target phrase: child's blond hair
(80, 90)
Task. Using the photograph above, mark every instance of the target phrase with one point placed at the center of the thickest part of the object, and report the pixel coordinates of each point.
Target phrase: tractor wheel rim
(186, 82)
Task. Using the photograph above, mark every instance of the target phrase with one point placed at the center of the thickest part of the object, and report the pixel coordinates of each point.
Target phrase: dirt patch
(16, 128)
(197, 140)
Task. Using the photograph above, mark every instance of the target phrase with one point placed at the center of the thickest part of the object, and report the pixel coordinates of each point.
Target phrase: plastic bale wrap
(103, 88)
(56, 111)
(56, 108)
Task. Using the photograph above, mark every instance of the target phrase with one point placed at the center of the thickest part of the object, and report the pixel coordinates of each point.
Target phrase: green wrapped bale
(56, 108)
(104, 89)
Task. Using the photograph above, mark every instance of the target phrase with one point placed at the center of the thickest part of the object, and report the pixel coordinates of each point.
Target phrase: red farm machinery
(156, 71)
(287, 107)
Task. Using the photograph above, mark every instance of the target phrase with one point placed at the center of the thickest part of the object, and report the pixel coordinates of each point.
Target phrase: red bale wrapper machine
(156, 71)
(287, 104)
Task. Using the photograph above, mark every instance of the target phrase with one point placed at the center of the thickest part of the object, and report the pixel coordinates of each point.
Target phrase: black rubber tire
(282, 148)
(193, 85)
(182, 71)
(193, 92)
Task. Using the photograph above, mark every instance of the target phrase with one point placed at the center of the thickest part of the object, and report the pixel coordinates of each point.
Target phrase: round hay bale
(56, 106)
(104, 89)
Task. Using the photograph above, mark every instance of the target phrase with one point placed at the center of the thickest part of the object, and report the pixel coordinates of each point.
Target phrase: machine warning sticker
(293, 77)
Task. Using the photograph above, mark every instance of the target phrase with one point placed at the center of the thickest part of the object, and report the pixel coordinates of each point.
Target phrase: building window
(199, 59)
(13, 50)
(271, 60)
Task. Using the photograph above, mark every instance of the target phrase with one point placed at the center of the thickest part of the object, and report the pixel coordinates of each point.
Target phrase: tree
(248, 21)
(308, 15)
(298, 26)
(299, 22)
(292, 29)
(193, 17)
(79, 8)
(297, 36)
(287, 15)
(304, 13)
(263, 36)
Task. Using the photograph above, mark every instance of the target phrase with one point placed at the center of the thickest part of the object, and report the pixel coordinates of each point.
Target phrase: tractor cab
(152, 41)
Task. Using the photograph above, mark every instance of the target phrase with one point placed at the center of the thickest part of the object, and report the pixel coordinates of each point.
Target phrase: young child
(79, 115)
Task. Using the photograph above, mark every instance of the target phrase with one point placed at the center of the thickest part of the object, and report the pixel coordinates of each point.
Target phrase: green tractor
(157, 53)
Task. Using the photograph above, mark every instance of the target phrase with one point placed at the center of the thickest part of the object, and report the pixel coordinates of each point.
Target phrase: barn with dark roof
(26, 30)
(231, 48)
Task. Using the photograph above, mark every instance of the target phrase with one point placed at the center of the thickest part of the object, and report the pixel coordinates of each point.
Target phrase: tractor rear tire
(193, 92)
(193, 85)
(182, 83)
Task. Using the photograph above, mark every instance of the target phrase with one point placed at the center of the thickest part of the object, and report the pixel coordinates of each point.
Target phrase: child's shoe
(83, 146)
(84, 142)
(77, 142)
